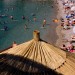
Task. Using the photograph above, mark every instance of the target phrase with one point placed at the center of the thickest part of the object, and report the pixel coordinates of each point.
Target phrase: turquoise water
(16, 27)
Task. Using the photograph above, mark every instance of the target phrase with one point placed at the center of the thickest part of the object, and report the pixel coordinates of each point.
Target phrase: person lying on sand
(55, 20)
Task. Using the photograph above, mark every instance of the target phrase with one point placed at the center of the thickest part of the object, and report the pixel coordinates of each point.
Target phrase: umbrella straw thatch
(35, 56)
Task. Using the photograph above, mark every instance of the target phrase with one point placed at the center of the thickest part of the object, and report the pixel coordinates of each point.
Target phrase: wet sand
(59, 28)
(51, 35)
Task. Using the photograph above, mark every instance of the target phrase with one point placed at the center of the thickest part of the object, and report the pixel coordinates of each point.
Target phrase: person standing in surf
(44, 22)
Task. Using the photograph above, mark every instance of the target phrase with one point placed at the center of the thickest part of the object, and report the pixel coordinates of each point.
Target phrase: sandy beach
(60, 14)
(64, 35)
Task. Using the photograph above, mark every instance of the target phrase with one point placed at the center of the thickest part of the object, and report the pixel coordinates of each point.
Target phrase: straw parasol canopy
(35, 56)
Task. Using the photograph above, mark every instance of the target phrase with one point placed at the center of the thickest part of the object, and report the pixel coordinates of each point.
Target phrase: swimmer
(5, 22)
(3, 15)
(34, 19)
(33, 14)
(5, 28)
(6, 9)
(11, 17)
(14, 44)
(23, 17)
(12, 8)
(44, 22)
(25, 26)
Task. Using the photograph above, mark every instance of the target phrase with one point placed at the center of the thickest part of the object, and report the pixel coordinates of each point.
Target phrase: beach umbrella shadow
(19, 65)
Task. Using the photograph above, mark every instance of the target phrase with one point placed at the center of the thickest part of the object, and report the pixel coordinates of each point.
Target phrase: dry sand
(64, 36)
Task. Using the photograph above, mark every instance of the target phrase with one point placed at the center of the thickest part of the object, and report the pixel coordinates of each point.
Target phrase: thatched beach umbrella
(35, 56)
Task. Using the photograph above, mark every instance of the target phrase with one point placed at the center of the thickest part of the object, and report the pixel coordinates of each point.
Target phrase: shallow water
(16, 28)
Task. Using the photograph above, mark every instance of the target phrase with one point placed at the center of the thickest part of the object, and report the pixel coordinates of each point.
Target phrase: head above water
(14, 42)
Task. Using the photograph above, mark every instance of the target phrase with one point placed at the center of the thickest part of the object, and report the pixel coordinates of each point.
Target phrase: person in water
(12, 8)
(23, 17)
(25, 26)
(11, 17)
(44, 22)
(34, 19)
(33, 14)
(5, 22)
(5, 28)
(14, 44)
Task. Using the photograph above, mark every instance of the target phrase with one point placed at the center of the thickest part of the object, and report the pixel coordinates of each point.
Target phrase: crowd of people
(69, 21)
(70, 47)
(69, 7)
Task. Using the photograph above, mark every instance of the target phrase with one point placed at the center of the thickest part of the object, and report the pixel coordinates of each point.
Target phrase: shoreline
(60, 13)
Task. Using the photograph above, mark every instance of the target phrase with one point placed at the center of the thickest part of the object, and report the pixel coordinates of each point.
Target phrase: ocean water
(16, 27)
